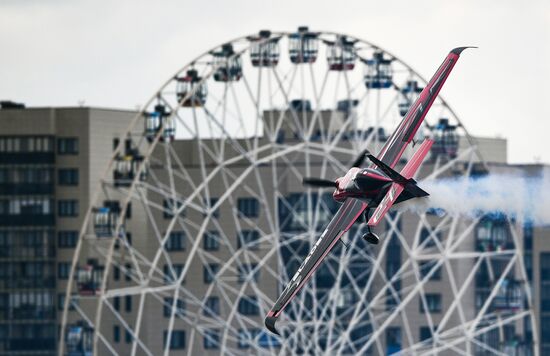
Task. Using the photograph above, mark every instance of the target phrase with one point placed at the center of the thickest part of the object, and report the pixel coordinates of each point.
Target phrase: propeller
(317, 182)
(360, 159)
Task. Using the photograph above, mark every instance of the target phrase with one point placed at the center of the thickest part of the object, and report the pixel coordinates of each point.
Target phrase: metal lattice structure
(211, 171)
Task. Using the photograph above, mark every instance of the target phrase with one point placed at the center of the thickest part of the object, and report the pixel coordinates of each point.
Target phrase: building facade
(52, 163)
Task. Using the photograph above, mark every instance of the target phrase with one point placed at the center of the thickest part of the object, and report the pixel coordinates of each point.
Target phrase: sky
(118, 53)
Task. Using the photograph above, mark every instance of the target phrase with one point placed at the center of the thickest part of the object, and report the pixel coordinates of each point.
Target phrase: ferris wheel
(200, 218)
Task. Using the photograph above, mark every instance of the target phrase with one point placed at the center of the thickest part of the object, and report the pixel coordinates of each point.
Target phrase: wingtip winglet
(270, 324)
(458, 50)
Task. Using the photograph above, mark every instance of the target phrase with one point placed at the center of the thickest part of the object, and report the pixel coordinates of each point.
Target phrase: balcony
(15, 282)
(28, 344)
(27, 220)
(28, 188)
(27, 158)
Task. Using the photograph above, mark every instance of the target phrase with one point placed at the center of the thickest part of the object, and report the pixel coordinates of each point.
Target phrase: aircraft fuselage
(363, 183)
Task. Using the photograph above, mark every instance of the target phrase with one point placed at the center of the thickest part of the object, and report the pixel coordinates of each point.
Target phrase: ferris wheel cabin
(341, 54)
(157, 120)
(106, 218)
(79, 339)
(228, 64)
(89, 277)
(509, 296)
(379, 72)
(190, 90)
(264, 49)
(445, 139)
(409, 93)
(127, 165)
(303, 46)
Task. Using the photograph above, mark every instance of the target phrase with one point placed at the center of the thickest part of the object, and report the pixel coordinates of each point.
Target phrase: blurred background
(151, 158)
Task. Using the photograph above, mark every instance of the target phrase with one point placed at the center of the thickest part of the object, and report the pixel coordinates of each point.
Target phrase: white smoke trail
(523, 198)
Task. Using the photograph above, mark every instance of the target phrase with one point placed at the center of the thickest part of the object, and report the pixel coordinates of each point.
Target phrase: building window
(63, 270)
(67, 145)
(129, 238)
(171, 207)
(393, 265)
(167, 307)
(176, 241)
(26, 206)
(426, 333)
(61, 302)
(116, 333)
(67, 176)
(26, 175)
(545, 283)
(545, 267)
(128, 302)
(211, 307)
(248, 305)
(211, 241)
(248, 239)
(129, 210)
(528, 236)
(249, 272)
(128, 337)
(67, 239)
(67, 208)
(433, 302)
(426, 268)
(431, 236)
(170, 278)
(212, 339)
(116, 273)
(248, 207)
(247, 337)
(393, 340)
(545, 330)
(210, 271)
(209, 205)
(177, 340)
(128, 272)
(26, 144)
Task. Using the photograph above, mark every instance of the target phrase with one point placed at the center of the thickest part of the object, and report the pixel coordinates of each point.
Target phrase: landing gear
(370, 236)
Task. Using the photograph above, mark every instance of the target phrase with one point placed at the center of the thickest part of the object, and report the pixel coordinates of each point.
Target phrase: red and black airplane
(377, 187)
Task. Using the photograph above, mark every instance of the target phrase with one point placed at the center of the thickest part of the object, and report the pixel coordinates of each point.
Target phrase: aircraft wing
(340, 223)
(403, 135)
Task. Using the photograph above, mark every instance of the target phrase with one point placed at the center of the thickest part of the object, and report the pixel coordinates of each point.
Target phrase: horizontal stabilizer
(415, 190)
(390, 172)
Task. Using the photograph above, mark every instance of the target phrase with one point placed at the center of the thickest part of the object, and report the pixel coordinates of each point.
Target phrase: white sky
(118, 53)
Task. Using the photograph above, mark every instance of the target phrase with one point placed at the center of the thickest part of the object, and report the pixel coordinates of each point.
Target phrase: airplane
(377, 187)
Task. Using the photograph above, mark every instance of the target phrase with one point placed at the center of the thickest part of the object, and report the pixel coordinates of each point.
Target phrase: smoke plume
(523, 198)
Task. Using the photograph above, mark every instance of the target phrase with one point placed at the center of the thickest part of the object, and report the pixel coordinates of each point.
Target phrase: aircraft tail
(404, 187)
(405, 176)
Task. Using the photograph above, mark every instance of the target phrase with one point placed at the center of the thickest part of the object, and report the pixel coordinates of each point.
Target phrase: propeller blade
(360, 159)
(317, 182)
